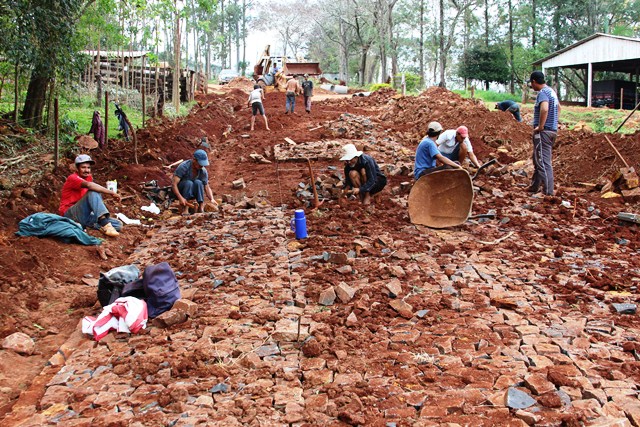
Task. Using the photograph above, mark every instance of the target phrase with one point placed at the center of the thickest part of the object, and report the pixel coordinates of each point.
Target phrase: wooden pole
(16, 92)
(621, 97)
(617, 152)
(56, 133)
(627, 118)
(144, 104)
(106, 117)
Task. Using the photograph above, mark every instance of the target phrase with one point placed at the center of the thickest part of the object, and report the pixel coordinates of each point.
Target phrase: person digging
(362, 176)
(191, 181)
(81, 199)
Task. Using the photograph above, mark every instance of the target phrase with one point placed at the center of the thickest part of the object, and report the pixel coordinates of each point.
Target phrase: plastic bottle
(299, 224)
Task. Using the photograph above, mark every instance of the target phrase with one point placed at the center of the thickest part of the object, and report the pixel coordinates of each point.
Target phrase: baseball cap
(201, 157)
(84, 158)
(463, 131)
(435, 127)
(306, 75)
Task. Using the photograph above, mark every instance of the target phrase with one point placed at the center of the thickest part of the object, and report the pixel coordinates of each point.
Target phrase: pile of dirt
(243, 83)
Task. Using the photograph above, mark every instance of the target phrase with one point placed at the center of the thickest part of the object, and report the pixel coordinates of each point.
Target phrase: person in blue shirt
(362, 176)
(427, 154)
(545, 129)
(191, 181)
(510, 106)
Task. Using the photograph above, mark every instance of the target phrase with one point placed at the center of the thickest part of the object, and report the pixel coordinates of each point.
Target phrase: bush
(375, 86)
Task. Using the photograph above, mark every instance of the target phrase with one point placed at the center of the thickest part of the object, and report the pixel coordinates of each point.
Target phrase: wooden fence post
(144, 104)
(106, 118)
(621, 98)
(56, 134)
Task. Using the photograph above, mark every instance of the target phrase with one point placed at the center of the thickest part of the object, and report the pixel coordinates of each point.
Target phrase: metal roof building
(598, 52)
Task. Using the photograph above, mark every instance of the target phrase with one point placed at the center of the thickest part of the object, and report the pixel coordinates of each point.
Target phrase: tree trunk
(511, 59)
(36, 98)
(244, 37)
(223, 45)
(486, 23)
(175, 93)
(16, 92)
(421, 44)
(533, 23)
(441, 44)
(363, 64)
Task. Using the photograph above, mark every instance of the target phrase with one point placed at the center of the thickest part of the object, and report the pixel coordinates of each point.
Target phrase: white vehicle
(226, 76)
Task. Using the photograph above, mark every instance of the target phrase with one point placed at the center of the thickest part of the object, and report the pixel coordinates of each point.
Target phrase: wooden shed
(598, 52)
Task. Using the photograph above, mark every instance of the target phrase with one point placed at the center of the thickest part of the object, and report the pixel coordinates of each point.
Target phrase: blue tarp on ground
(51, 225)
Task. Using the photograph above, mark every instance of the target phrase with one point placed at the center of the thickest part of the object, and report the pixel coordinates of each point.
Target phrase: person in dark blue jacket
(362, 176)
(510, 106)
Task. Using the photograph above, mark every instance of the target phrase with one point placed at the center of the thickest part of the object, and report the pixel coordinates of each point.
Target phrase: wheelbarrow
(443, 198)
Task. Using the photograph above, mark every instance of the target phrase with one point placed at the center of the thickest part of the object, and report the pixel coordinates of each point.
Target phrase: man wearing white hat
(361, 174)
(427, 154)
(81, 199)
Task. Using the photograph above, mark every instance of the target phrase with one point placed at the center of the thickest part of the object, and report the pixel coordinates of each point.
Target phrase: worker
(427, 154)
(255, 102)
(454, 144)
(545, 129)
(191, 181)
(293, 89)
(307, 92)
(510, 106)
(362, 176)
(81, 199)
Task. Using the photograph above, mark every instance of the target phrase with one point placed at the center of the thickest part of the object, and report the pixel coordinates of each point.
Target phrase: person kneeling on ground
(454, 144)
(362, 174)
(81, 199)
(427, 154)
(255, 102)
(191, 180)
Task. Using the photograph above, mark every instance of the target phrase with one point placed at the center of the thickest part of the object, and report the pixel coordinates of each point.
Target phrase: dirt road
(426, 327)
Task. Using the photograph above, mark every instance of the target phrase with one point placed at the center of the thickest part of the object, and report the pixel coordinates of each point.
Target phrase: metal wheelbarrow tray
(441, 199)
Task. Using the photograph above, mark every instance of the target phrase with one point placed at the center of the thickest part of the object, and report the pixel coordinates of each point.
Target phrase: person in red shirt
(81, 199)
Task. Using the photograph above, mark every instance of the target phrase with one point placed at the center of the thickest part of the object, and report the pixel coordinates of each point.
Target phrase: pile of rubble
(350, 126)
(622, 183)
(243, 83)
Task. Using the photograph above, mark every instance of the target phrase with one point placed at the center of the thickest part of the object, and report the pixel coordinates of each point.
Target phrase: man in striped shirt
(545, 128)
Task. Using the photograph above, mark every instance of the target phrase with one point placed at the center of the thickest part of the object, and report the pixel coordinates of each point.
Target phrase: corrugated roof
(585, 40)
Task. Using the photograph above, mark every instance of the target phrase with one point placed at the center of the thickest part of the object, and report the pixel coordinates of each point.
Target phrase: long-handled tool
(316, 203)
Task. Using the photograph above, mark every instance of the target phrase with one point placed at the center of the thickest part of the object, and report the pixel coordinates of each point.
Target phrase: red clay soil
(42, 293)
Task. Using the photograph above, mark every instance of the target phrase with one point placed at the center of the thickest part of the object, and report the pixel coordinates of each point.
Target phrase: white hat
(435, 127)
(350, 151)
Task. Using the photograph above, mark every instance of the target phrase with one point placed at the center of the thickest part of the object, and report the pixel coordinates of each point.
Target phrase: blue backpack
(158, 287)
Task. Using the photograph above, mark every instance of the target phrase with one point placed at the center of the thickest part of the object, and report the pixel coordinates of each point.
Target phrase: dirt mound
(243, 83)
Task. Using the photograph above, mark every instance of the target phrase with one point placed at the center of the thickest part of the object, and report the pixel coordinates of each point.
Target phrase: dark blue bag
(160, 288)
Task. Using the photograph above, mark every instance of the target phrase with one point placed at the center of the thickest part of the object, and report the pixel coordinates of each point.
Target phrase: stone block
(538, 384)
(403, 308)
(344, 292)
(394, 287)
(170, 318)
(189, 307)
(327, 296)
(20, 343)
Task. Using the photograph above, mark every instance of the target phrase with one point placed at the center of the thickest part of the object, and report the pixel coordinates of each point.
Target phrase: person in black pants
(361, 174)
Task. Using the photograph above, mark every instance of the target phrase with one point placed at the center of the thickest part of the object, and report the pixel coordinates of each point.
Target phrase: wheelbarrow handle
(484, 166)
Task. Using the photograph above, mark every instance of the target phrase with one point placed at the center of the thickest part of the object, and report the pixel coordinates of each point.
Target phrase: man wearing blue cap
(190, 181)
(81, 199)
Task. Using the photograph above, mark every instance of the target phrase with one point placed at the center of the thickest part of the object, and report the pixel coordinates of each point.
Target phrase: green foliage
(599, 124)
(411, 80)
(376, 86)
(488, 64)
(68, 132)
(488, 96)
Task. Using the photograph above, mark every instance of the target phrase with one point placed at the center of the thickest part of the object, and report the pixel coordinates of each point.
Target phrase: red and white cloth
(126, 314)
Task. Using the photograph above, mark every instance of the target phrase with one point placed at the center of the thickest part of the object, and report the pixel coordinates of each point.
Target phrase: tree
(488, 64)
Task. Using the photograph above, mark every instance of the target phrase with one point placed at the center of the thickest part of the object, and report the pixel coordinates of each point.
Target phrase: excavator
(273, 70)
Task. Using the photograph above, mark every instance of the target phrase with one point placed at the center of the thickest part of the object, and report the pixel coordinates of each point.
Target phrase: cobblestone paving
(355, 329)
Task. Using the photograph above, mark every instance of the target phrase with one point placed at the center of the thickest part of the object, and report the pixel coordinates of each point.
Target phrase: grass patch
(489, 95)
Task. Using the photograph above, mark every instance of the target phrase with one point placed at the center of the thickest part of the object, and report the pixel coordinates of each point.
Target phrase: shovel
(443, 198)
